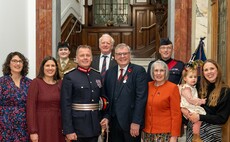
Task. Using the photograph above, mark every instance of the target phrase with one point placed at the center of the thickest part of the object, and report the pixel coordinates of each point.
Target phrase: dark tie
(121, 74)
(103, 69)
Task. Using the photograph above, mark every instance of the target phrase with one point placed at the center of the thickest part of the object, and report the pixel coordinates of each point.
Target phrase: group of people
(108, 93)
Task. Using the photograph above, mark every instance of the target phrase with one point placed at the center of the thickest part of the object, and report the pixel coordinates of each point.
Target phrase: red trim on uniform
(171, 64)
(105, 103)
(83, 70)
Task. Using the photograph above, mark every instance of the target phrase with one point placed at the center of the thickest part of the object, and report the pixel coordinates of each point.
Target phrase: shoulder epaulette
(94, 70)
(68, 71)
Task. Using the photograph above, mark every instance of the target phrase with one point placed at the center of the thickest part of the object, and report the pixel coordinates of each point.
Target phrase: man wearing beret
(175, 66)
(64, 62)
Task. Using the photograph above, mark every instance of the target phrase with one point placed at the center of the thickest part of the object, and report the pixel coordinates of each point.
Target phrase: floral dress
(13, 126)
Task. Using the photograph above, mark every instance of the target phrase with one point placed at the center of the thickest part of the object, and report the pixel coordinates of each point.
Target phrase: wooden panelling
(117, 37)
(214, 29)
(139, 15)
(141, 21)
(91, 36)
(143, 16)
(226, 127)
(92, 40)
(127, 38)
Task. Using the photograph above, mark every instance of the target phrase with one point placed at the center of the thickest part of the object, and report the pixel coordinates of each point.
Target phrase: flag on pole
(199, 54)
(199, 57)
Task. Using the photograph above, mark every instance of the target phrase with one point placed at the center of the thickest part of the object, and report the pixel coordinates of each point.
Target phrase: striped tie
(103, 69)
(121, 74)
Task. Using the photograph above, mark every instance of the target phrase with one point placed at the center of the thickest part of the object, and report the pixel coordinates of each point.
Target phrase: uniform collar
(66, 61)
(167, 61)
(83, 70)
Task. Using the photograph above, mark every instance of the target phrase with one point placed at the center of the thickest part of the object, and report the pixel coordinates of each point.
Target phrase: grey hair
(122, 45)
(165, 66)
(111, 39)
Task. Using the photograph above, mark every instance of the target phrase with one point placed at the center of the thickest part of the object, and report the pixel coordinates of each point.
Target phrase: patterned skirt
(148, 137)
(208, 132)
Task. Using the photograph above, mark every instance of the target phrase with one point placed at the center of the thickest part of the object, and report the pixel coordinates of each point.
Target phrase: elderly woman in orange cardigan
(163, 114)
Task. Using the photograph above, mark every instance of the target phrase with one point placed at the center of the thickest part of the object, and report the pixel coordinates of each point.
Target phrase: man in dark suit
(126, 88)
(106, 43)
(80, 94)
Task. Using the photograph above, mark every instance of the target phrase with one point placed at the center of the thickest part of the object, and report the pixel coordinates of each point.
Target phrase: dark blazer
(96, 61)
(127, 98)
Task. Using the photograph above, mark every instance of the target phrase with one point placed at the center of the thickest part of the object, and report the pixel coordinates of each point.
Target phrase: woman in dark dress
(217, 105)
(43, 104)
(13, 93)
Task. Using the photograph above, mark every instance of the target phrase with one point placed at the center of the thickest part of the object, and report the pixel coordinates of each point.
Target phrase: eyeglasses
(17, 61)
(166, 48)
(124, 54)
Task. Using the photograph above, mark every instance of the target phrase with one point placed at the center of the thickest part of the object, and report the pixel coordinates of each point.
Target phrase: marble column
(43, 30)
(200, 22)
(182, 35)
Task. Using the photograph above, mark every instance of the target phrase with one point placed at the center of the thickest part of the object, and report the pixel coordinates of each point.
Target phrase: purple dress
(13, 126)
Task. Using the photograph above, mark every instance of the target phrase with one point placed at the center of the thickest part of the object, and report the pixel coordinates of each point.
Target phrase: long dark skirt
(208, 132)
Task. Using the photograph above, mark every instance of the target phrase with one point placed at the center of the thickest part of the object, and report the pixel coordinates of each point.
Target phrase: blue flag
(199, 53)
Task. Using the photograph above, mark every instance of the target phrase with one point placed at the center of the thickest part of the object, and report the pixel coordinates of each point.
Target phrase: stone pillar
(43, 30)
(182, 35)
(200, 23)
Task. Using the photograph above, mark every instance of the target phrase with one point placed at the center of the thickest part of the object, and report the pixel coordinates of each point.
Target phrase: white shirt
(124, 70)
(107, 61)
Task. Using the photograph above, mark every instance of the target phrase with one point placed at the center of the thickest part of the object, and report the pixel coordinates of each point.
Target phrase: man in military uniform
(64, 62)
(80, 94)
(175, 66)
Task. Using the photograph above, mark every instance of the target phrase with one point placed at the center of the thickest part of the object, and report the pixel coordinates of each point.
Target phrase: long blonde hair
(215, 94)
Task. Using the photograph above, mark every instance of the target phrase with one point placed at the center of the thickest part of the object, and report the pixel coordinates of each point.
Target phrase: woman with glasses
(162, 115)
(13, 94)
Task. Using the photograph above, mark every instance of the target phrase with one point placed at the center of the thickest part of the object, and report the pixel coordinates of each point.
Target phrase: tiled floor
(182, 139)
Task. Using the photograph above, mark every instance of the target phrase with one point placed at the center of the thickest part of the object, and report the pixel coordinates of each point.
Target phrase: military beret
(63, 45)
(165, 41)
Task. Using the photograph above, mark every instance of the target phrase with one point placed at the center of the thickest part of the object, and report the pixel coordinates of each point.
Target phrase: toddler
(190, 101)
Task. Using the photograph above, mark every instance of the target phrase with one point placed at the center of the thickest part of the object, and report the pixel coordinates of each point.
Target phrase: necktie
(121, 74)
(103, 69)
(63, 64)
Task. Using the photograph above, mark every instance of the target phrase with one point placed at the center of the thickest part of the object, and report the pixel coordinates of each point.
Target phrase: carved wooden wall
(143, 16)
(90, 36)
